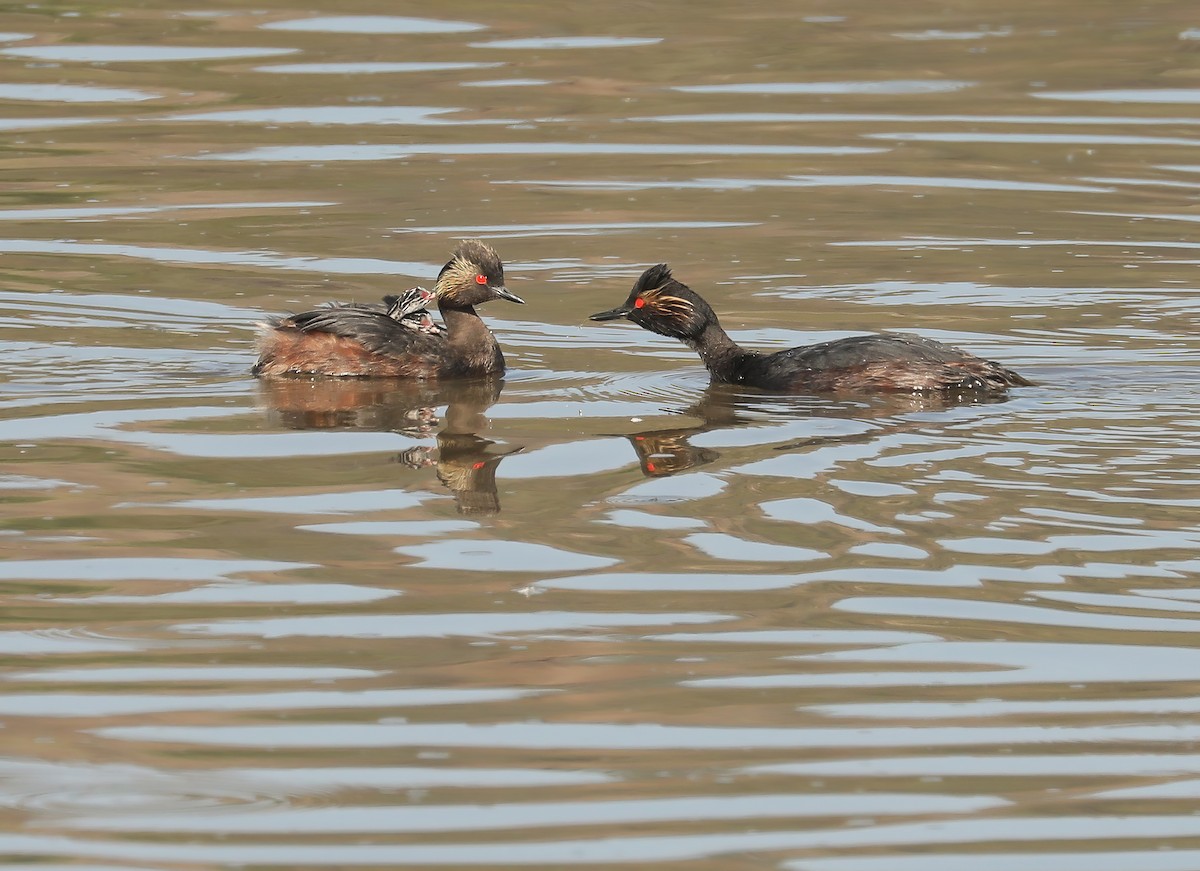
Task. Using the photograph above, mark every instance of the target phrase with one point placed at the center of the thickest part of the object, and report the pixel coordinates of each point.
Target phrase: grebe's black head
(474, 275)
(663, 305)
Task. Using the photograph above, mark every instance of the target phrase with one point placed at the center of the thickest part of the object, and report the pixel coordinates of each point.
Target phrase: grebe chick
(410, 309)
(395, 340)
(898, 362)
(407, 308)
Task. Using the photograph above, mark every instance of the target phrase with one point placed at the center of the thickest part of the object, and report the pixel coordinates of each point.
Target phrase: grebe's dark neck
(723, 357)
(471, 344)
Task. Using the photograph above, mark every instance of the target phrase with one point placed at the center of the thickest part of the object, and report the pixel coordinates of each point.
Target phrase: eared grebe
(397, 339)
(896, 362)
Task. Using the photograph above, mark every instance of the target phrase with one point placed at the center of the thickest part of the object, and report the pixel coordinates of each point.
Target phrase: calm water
(604, 615)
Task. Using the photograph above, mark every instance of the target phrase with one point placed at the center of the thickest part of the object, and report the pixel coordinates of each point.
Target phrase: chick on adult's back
(897, 362)
(373, 341)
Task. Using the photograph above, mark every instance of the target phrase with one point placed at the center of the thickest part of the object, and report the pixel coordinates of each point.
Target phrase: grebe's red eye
(639, 302)
(481, 279)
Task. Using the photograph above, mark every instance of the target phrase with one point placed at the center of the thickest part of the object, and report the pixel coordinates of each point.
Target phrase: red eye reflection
(639, 303)
(481, 279)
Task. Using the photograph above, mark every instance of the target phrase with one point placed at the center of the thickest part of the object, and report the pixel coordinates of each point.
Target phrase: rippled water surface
(603, 614)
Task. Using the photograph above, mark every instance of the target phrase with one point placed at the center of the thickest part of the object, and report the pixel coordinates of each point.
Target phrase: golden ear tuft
(668, 305)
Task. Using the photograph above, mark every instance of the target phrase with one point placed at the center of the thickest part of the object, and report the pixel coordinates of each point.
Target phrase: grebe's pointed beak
(503, 292)
(612, 314)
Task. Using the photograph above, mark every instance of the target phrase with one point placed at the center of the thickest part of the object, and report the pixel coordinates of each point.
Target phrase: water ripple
(737, 117)
(569, 42)
(48, 123)
(373, 24)
(111, 705)
(245, 594)
(91, 212)
(104, 54)
(138, 568)
(1125, 95)
(204, 257)
(975, 293)
(1037, 138)
(374, 67)
(516, 816)
(439, 625)
(334, 153)
(507, 83)
(1079, 764)
(1000, 612)
(591, 228)
(937, 35)
(189, 674)
(810, 181)
(887, 87)
(975, 710)
(73, 94)
(336, 115)
(1059, 859)
(500, 556)
(593, 737)
(984, 664)
(645, 850)
(42, 642)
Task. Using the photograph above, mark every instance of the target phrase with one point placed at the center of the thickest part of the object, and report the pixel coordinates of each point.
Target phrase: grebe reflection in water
(464, 461)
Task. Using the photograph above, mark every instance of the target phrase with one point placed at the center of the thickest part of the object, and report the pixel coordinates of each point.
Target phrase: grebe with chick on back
(394, 340)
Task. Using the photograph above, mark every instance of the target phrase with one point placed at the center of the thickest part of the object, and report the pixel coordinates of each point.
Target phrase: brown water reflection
(465, 462)
(664, 452)
(601, 614)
